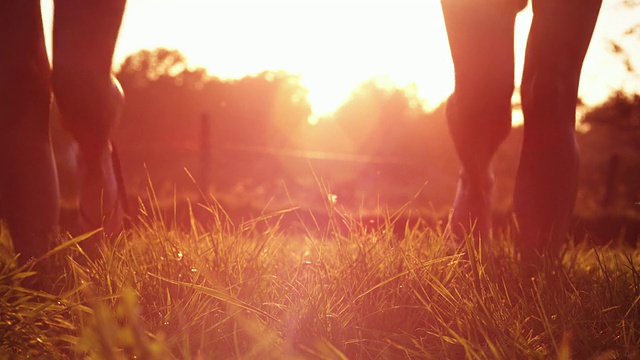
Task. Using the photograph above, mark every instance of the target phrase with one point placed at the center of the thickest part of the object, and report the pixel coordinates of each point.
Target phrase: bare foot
(471, 212)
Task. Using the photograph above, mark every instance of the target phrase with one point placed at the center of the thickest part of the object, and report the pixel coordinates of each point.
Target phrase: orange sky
(334, 45)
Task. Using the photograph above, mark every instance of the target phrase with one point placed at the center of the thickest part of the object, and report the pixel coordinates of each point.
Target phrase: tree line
(254, 133)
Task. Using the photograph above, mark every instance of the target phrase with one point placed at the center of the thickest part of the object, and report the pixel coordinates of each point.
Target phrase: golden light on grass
(340, 289)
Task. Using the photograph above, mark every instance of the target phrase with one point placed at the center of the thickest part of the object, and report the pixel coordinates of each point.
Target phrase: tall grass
(258, 290)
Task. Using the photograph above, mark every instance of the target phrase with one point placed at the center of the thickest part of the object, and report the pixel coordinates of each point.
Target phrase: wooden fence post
(205, 152)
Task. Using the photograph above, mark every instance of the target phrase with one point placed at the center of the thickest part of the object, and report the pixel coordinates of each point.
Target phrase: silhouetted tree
(611, 155)
(162, 119)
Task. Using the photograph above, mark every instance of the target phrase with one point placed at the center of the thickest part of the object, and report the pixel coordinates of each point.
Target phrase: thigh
(481, 38)
(560, 34)
(85, 33)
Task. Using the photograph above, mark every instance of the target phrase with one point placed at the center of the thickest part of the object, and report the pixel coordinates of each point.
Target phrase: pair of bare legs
(481, 35)
(89, 100)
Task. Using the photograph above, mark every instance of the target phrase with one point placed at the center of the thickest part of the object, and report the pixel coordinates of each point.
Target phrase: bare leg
(548, 172)
(90, 99)
(28, 179)
(479, 111)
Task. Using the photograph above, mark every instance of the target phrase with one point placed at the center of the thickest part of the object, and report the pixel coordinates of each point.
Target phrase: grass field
(259, 291)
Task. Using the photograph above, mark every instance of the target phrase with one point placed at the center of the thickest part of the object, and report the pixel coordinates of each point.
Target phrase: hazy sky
(334, 45)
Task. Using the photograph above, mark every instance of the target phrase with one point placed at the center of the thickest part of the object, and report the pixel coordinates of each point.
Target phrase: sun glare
(334, 45)
(388, 40)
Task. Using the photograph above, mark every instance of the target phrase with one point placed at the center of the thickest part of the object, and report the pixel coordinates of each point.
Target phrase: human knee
(546, 96)
(89, 104)
(538, 94)
(82, 86)
(25, 101)
(480, 114)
